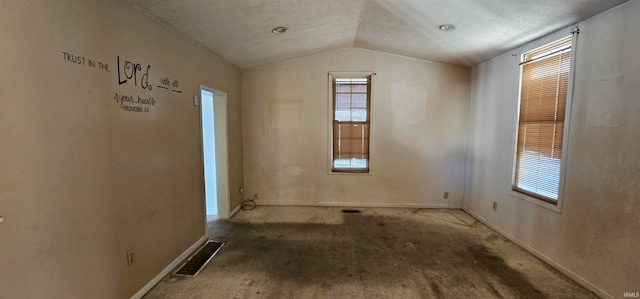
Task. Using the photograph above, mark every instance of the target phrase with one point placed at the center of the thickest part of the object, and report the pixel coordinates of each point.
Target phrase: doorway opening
(213, 116)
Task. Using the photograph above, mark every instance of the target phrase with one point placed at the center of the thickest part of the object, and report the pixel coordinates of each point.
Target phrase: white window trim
(565, 140)
(332, 75)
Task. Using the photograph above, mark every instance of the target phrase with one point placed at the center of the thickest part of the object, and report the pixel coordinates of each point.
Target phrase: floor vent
(350, 211)
(197, 261)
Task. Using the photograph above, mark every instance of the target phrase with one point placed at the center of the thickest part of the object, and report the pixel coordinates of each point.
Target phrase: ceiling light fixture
(447, 27)
(279, 29)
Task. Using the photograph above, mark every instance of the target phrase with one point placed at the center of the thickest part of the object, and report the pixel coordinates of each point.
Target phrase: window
(351, 103)
(541, 120)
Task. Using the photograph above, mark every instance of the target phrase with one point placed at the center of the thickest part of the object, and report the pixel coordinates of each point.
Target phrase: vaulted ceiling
(240, 30)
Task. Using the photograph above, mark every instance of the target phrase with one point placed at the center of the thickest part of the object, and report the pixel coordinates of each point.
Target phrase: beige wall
(417, 132)
(596, 234)
(83, 181)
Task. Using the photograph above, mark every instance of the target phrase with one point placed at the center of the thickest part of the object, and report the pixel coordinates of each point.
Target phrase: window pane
(359, 115)
(343, 115)
(350, 164)
(539, 174)
(360, 88)
(343, 101)
(343, 88)
(359, 101)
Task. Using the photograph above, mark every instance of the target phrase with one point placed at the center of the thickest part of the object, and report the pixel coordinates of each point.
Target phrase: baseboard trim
(234, 211)
(362, 205)
(168, 269)
(575, 277)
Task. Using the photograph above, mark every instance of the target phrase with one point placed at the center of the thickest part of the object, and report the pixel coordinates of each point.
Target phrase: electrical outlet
(255, 196)
(495, 206)
(130, 258)
(241, 190)
(445, 195)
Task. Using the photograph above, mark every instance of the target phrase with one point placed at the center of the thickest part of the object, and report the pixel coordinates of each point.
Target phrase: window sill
(556, 208)
(350, 173)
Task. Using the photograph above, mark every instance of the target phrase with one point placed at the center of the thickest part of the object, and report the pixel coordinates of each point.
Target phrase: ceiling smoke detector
(447, 27)
(279, 29)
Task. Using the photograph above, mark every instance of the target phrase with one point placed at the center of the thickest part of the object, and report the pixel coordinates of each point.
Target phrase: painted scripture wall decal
(81, 61)
(164, 84)
(133, 71)
(131, 104)
(129, 72)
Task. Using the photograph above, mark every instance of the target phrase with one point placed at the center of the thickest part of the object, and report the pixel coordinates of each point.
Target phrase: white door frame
(221, 150)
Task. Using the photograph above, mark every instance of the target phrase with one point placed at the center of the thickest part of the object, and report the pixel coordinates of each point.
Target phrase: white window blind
(543, 97)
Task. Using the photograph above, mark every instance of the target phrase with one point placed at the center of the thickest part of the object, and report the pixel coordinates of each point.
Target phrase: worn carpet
(321, 252)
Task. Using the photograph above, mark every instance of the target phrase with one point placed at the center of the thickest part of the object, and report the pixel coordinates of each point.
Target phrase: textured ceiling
(240, 30)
